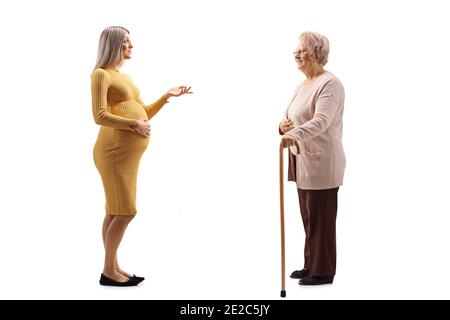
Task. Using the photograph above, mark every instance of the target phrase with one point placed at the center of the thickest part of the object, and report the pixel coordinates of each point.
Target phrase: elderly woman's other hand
(286, 126)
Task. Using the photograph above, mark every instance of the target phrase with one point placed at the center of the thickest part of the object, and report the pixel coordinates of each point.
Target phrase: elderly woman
(314, 120)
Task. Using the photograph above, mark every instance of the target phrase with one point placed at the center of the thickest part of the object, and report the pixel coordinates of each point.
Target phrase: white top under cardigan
(317, 111)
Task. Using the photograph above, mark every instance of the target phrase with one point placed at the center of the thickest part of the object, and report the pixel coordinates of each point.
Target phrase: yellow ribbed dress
(116, 105)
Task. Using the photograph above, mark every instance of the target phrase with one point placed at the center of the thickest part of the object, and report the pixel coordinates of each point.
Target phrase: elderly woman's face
(301, 56)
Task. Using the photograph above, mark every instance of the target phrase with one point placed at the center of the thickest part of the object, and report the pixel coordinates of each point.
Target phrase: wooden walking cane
(283, 256)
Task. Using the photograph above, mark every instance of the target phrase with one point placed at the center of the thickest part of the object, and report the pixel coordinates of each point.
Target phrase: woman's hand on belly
(142, 127)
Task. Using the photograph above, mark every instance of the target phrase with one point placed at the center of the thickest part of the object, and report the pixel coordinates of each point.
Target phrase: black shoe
(137, 279)
(300, 274)
(313, 281)
(105, 281)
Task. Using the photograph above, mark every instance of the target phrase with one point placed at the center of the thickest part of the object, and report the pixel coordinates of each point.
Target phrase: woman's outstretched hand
(178, 91)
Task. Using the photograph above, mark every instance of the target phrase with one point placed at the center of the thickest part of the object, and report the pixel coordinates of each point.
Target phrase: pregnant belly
(130, 109)
(121, 145)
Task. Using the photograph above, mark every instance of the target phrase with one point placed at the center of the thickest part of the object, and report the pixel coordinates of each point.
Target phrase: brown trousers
(319, 210)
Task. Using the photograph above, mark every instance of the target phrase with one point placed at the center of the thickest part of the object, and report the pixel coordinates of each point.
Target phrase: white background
(208, 220)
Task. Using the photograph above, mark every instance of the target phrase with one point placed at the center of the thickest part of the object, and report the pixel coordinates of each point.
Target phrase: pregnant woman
(123, 137)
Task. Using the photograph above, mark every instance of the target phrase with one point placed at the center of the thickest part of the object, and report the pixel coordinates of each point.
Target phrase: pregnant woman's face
(126, 47)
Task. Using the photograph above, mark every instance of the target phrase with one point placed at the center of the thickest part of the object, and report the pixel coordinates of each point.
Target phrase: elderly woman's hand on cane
(288, 141)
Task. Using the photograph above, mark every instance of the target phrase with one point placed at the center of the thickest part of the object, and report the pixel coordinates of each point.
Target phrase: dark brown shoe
(300, 274)
(313, 281)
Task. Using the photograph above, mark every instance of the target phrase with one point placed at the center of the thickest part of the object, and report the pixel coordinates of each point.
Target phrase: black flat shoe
(105, 281)
(300, 274)
(137, 279)
(313, 281)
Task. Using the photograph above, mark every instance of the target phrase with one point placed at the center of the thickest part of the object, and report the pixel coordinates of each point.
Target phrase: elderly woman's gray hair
(316, 45)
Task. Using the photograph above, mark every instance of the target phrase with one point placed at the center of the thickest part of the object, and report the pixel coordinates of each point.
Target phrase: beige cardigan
(317, 111)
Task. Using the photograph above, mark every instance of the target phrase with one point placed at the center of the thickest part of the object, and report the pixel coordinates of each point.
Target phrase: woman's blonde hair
(110, 47)
(316, 45)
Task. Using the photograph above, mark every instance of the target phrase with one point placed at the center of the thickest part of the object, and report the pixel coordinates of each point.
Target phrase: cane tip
(283, 293)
